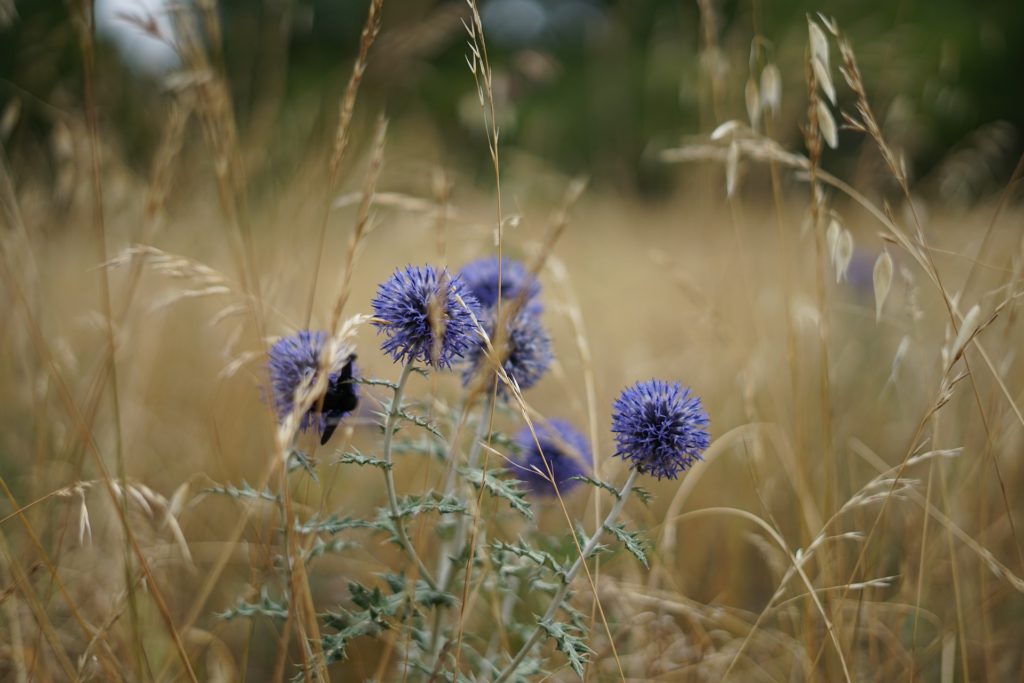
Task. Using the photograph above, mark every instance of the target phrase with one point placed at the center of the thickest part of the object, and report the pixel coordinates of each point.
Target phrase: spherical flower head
(660, 428)
(418, 311)
(525, 347)
(567, 453)
(294, 363)
(481, 278)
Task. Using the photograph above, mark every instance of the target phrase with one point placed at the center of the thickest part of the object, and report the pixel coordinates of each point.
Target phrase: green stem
(556, 601)
(445, 571)
(389, 479)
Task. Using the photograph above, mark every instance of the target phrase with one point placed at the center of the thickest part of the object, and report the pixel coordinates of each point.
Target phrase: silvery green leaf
(521, 549)
(335, 524)
(641, 493)
(298, 459)
(508, 489)
(357, 458)
(265, 607)
(421, 422)
(410, 506)
(572, 645)
(631, 539)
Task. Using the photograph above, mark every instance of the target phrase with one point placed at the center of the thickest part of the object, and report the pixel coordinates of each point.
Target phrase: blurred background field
(658, 273)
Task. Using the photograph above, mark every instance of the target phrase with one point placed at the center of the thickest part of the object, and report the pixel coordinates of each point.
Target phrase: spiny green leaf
(565, 546)
(573, 646)
(369, 381)
(335, 524)
(545, 586)
(428, 597)
(405, 415)
(502, 441)
(509, 489)
(411, 506)
(597, 483)
(367, 598)
(521, 549)
(357, 458)
(424, 595)
(265, 607)
(528, 671)
(396, 582)
(299, 459)
(429, 447)
(321, 547)
(642, 494)
(378, 613)
(633, 541)
(421, 422)
(435, 673)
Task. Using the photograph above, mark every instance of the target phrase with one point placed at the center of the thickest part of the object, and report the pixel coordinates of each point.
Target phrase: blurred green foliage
(588, 86)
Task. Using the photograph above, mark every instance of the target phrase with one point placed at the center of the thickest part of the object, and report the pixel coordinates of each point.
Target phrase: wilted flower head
(419, 312)
(566, 451)
(660, 427)
(294, 363)
(481, 278)
(525, 347)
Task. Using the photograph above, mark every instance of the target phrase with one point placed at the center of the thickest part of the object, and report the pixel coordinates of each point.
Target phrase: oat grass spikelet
(419, 312)
(566, 451)
(660, 428)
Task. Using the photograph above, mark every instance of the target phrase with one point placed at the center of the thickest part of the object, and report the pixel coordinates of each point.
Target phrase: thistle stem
(452, 449)
(389, 479)
(445, 571)
(556, 601)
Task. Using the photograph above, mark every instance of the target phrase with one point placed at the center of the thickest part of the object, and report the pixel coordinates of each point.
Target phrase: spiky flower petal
(417, 309)
(660, 427)
(566, 451)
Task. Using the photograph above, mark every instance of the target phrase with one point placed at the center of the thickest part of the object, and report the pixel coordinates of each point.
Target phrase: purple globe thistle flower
(660, 427)
(525, 347)
(418, 311)
(566, 450)
(294, 362)
(481, 278)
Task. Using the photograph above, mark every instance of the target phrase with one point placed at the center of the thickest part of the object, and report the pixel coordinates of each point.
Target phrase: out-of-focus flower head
(566, 451)
(525, 347)
(481, 278)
